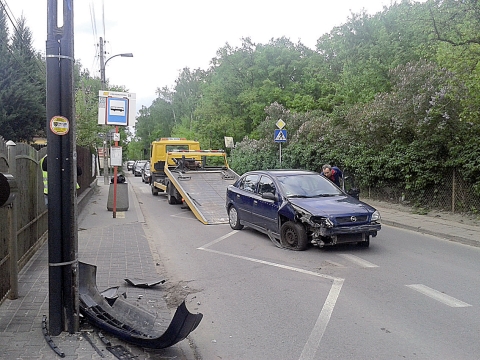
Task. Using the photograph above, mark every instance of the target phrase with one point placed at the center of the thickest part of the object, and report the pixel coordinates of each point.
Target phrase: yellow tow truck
(187, 174)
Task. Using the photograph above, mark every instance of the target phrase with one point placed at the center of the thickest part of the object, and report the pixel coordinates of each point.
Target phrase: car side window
(265, 185)
(249, 183)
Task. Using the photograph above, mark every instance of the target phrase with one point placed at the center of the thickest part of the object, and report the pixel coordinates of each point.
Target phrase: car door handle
(238, 196)
(255, 202)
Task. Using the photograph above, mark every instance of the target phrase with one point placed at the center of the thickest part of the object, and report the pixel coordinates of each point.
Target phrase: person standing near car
(332, 173)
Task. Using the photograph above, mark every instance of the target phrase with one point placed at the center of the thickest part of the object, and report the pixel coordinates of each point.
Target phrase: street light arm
(122, 55)
(102, 65)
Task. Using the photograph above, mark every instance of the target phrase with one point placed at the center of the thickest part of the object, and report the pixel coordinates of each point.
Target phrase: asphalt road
(408, 296)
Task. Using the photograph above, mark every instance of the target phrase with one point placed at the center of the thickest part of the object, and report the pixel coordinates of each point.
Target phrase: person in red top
(332, 173)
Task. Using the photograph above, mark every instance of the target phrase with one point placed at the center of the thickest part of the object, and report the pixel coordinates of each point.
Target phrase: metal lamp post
(102, 77)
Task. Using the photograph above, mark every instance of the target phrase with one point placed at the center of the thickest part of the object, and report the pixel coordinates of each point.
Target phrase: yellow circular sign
(59, 125)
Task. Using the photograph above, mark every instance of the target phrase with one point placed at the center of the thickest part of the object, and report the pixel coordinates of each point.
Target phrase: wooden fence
(29, 206)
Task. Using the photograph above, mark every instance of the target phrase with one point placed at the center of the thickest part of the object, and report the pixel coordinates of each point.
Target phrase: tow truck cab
(160, 148)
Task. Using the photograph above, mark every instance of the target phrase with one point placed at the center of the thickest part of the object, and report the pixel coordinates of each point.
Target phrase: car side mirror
(270, 196)
(354, 193)
(8, 189)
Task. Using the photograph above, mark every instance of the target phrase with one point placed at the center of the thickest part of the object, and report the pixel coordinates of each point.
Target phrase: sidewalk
(120, 249)
(453, 227)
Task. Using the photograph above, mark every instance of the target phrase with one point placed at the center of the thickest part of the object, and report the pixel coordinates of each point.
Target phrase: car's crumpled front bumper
(370, 229)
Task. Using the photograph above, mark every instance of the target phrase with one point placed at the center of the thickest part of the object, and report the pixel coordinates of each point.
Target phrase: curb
(84, 198)
(457, 239)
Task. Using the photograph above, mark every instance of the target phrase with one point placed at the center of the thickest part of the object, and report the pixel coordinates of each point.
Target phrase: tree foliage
(391, 97)
(22, 84)
(396, 91)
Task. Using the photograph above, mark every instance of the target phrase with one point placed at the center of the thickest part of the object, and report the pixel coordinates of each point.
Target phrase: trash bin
(122, 197)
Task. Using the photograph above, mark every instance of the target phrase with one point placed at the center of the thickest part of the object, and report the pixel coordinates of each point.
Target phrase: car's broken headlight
(376, 216)
(322, 221)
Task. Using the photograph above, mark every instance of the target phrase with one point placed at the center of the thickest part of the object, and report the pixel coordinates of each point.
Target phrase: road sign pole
(115, 182)
(280, 145)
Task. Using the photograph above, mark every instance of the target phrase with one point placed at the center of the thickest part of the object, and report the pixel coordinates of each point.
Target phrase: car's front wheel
(234, 219)
(294, 236)
(364, 244)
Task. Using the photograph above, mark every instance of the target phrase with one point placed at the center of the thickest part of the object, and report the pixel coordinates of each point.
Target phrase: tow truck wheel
(294, 236)
(172, 200)
(233, 219)
(154, 190)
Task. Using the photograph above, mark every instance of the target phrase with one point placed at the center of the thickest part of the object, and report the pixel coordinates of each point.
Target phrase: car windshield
(307, 185)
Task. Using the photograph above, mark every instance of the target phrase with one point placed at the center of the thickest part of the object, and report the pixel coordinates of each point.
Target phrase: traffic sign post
(116, 108)
(280, 135)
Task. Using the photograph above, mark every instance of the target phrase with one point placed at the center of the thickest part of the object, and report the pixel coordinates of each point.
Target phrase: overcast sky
(166, 36)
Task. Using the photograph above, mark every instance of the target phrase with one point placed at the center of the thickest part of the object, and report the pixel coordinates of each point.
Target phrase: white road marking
(358, 261)
(313, 342)
(286, 267)
(218, 240)
(334, 263)
(439, 296)
(184, 215)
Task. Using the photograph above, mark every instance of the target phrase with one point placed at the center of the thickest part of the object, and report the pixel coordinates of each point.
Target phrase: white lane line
(358, 261)
(218, 240)
(286, 267)
(313, 342)
(437, 295)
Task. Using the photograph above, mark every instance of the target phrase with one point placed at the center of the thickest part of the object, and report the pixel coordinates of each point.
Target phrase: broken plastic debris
(143, 283)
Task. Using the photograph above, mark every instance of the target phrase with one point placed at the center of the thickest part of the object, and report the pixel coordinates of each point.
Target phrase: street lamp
(102, 77)
(103, 64)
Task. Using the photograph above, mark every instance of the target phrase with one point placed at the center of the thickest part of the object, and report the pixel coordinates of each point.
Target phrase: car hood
(332, 205)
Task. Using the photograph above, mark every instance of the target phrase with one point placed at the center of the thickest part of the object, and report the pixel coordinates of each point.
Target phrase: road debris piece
(143, 283)
(120, 352)
(130, 322)
(95, 347)
(49, 340)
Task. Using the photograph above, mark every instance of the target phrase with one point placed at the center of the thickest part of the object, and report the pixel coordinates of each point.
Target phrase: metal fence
(29, 206)
(449, 193)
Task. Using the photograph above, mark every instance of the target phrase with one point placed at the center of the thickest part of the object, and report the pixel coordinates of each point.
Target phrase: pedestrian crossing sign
(280, 135)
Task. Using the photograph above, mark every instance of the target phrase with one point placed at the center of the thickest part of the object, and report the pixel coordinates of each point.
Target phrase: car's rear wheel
(234, 219)
(294, 236)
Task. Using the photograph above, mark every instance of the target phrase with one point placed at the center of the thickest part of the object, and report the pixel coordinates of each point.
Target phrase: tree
(22, 88)
(86, 108)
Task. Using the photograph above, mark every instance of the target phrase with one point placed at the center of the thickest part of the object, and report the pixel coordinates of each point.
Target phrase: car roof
(282, 172)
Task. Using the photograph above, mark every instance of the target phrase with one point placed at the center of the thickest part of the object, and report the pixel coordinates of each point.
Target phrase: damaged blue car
(296, 208)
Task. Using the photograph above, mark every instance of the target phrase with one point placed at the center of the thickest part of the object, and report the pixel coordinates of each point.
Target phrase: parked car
(299, 207)
(146, 173)
(137, 168)
(130, 165)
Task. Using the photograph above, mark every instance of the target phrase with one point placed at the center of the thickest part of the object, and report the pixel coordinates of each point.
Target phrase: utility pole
(106, 169)
(62, 172)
